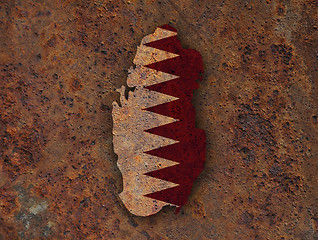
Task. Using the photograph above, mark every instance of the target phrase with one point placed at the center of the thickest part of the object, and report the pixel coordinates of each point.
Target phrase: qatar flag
(160, 151)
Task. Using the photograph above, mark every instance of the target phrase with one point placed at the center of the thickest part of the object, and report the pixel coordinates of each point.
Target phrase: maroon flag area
(189, 152)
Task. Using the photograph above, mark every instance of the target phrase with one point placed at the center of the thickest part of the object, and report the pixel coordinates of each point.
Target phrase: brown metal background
(61, 62)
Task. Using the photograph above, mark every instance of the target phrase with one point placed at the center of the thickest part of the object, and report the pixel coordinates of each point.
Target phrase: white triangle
(155, 120)
(145, 98)
(141, 205)
(156, 185)
(152, 141)
(144, 163)
(148, 55)
(142, 184)
(142, 121)
(157, 35)
(143, 76)
(140, 141)
(154, 163)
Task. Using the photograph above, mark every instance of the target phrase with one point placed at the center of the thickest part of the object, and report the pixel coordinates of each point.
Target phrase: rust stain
(61, 63)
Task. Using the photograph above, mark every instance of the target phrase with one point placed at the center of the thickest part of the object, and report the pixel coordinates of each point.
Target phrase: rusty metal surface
(61, 63)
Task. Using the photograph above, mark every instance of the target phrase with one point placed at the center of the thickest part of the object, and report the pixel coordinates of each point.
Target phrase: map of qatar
(160, 151)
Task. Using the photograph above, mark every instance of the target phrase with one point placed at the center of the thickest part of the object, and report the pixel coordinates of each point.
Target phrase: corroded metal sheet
(61, 63)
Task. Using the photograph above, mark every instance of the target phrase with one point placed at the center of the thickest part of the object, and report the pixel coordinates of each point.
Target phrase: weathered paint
(61, 63)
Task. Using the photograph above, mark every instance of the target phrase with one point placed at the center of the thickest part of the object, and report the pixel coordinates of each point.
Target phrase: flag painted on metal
(160, 151)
